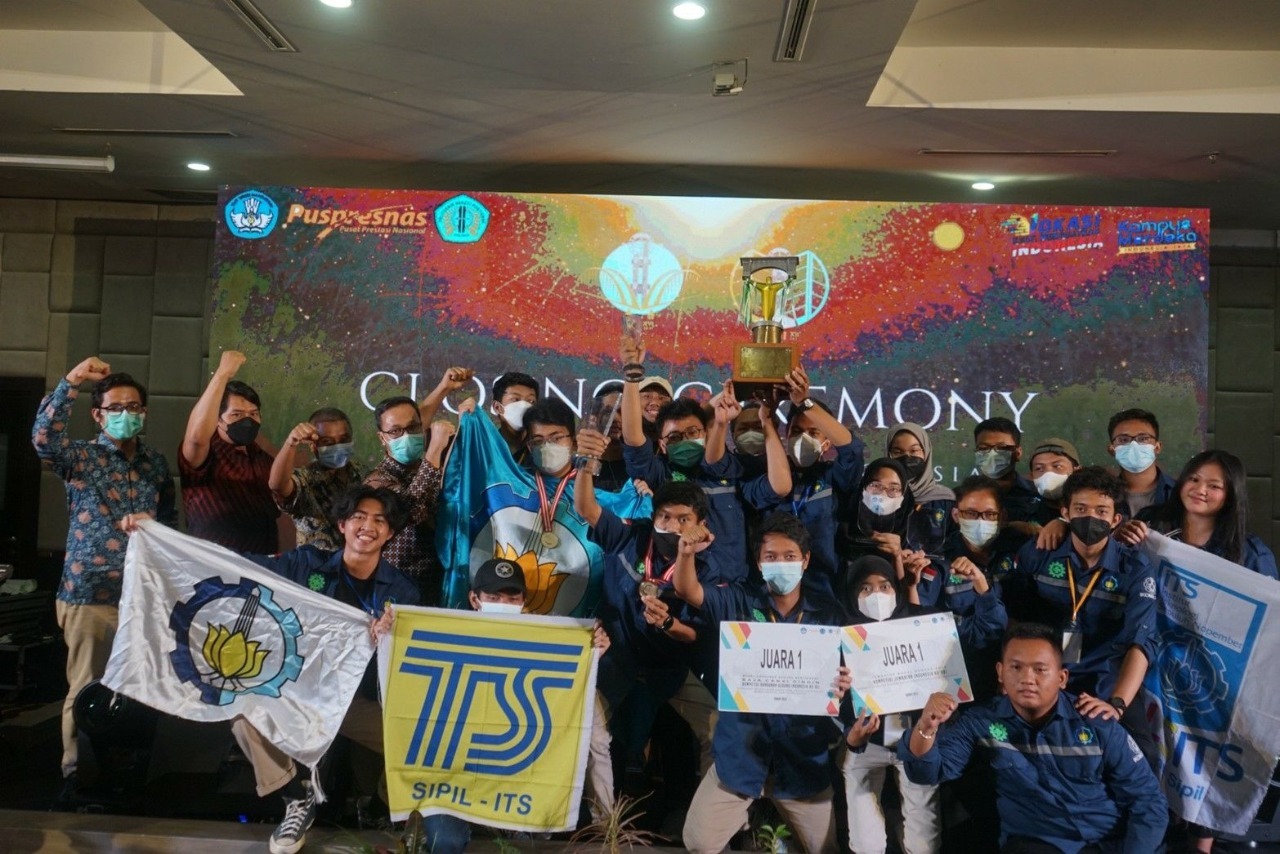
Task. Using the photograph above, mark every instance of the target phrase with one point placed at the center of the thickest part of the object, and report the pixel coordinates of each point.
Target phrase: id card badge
(1072, 643)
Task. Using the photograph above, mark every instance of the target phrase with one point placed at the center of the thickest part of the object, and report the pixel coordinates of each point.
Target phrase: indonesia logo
(462, 220)
(233, 639)
(251, 215)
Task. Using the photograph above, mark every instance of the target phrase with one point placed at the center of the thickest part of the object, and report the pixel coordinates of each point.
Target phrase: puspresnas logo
(509, 678)
(1043, 235)
(251, 215)
(1156, 235)
(392, 219)
(233, 639)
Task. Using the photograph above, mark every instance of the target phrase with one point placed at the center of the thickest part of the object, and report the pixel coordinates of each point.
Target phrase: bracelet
(667, 624)
(929, 737)
(633, 372)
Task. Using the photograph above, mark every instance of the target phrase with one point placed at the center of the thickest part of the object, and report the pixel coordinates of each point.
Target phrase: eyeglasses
(117, 408)
(1010, 448)
(1141, 439)
(397, 432)
(974, 515)
(539, 441)
(688, 433)
(877, 488)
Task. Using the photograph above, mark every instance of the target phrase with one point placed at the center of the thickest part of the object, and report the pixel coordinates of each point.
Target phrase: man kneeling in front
(1065, 782)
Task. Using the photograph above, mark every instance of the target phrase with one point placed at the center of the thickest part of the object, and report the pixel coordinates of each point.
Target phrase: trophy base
(760, 368)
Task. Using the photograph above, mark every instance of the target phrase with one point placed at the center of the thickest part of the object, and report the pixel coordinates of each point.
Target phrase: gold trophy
(759, 368)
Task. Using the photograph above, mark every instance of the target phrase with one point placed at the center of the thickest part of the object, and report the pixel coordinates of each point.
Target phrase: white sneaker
(292, 832)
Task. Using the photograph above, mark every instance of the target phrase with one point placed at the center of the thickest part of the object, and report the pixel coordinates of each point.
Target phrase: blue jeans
(446, 834)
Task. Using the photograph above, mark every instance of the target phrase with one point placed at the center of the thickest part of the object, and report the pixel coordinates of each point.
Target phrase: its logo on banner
(251, 215)
(501, 738)
(1193, 681)
(233, 639)
(462, 220)
(1037, 235)
(1163, 235)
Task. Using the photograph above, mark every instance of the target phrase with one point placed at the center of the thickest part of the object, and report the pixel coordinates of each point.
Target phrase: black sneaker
(298, 816)
(69, 798)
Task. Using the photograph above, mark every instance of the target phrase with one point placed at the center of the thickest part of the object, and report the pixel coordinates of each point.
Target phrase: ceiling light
(983, 185)
(54, 161)
(688, 11)
(195, 166)
(337, 4)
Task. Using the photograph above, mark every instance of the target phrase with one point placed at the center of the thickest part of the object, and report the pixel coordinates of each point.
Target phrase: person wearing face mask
(998, 448)
(225, 465)
(876, 594)
(412, 468)
(613, 468)
(1098, 592)
(658, 658)
(880, 524)
(819, 486)
(1134, 441)
(909, 444)
(513, 394)
(306, 493)
(95, 472)
(782, 757)
(1052, 462)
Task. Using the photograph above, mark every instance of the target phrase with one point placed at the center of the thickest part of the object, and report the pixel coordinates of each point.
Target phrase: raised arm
(775, 454)
(49, 430)
(798, 387)
(280, 480)
(725, 407)
(633, 373)
(685, 578)
(453, 379)
(202, 423)
(591, 444)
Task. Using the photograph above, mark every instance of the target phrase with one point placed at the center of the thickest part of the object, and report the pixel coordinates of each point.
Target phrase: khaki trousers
(717, 813)
(694, 703)
(88, 631)
(272, 768)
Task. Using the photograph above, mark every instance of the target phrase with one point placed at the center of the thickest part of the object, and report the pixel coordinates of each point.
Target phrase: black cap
(499, 576)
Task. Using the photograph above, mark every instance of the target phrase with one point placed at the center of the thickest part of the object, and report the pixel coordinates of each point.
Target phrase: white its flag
(207, 635)
(1211, 699)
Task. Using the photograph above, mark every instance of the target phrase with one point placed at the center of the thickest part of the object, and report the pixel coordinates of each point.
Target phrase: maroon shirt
(227, 501)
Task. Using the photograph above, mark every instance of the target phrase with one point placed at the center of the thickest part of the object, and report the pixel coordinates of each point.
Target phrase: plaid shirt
(314, 490)
(103, 486)
(227, 499)
(413, 550)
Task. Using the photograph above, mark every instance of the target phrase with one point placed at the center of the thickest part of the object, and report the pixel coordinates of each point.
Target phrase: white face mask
(551, 457)
(513, 413)
(750, 442)
(881, 505)
(500, 608)
(806, 450)
(1049, 485)
(878, 606)
(978, 532)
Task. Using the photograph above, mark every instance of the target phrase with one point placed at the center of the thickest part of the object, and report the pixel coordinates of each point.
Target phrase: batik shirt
(314, 490)
(413, 550)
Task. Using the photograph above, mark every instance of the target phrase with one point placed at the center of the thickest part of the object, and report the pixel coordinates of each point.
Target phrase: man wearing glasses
(225, 466)
(997, 450)
(108, 480)
(1135, 443)
(413, 470)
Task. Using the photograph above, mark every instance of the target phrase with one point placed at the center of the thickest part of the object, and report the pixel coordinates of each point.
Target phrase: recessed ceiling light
(337, 4)
(689, 11)
(983, 185)
(195, 166)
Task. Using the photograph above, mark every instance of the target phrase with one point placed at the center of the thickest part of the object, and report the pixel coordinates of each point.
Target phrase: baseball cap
(497, 576)
(660, 382)
(1057, 446)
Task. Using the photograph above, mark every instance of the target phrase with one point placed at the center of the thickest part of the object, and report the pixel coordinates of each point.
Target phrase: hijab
(924, 488)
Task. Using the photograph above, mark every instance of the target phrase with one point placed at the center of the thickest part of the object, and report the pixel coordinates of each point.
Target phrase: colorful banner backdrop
(208, 636)
(487, 718)
(943, 314)
(1210, 697)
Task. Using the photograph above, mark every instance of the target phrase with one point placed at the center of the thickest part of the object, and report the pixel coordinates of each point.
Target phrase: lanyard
(547, 509)
(798, 621)
(667, 575)
(371, 610)
(798, 505)
(1078, 603)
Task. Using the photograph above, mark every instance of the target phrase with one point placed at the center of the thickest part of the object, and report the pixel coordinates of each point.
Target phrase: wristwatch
(1119, 704)
(667, 624)
(806, 404)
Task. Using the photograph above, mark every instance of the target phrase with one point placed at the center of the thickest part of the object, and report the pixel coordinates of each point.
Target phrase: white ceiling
(614, 96)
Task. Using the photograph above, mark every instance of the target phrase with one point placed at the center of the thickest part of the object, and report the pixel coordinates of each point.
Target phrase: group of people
(761, 511)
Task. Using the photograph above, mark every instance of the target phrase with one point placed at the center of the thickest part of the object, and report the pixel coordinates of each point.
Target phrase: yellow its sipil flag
(487, 718)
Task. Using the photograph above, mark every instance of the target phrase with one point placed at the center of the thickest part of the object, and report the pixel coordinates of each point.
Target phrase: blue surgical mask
(406, 449)
(335, 456)
(1136, 457)
(123, 426)
(781, 577)
(994, 463)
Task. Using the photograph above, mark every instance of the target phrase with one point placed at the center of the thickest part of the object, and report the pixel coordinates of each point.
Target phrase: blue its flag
(490, 508)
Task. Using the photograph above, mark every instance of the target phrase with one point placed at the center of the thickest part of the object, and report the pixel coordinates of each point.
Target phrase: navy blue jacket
(1072, 782)
(321, 571)
(1165, 485)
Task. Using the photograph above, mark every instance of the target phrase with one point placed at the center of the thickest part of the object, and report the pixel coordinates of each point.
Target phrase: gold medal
(550, 540)
(648, 588)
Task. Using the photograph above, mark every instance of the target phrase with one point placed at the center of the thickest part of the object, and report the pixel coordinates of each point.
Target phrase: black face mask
(244, 431)
(913, 465)
(1090, 530)
(666, 544)
(871, 523)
